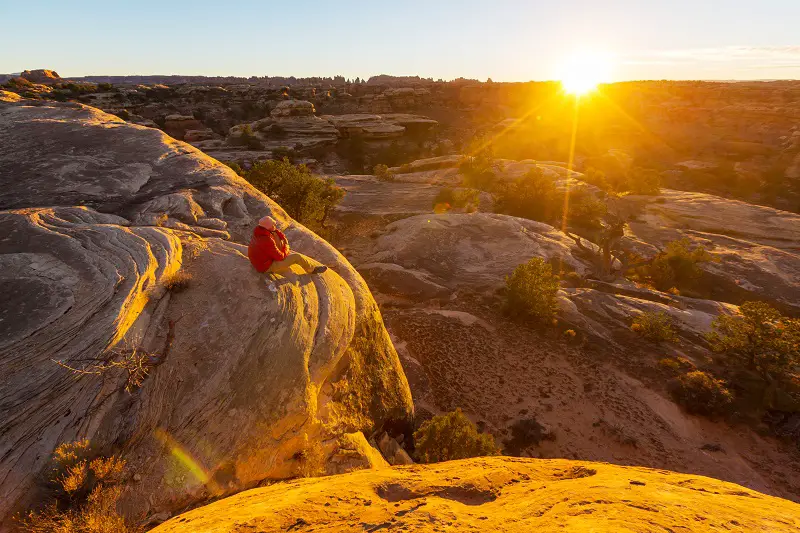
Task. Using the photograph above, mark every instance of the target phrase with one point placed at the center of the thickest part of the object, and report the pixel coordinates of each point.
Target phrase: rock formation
(41, 75)
(601, 396)
(123, 250)
(497, 494)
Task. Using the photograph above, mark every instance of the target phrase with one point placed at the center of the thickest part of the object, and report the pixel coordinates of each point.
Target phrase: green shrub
(654, 326)
(477, 168)
(597, 178)
(531, 290)
(307, 198)
(382, 172)
(678, 266)
(700, 393)
(85, 492)
(448, 198)
(644, 181)
(236, 167)
(758, 338)
(584, 209)
(451, 436)
(532, 196)
(248, 139)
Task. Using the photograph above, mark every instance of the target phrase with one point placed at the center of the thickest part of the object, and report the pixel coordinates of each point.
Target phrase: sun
(583, 72)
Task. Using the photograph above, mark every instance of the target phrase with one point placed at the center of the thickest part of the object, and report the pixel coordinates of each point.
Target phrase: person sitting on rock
(269, 251)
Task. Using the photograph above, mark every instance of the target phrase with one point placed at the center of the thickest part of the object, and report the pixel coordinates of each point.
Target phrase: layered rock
(177, 125)
(386, 126)
(99, 216)
(41, 75)
(497, 494)
(758, 248)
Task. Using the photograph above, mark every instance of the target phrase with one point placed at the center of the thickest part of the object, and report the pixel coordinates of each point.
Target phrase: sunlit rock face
(98, 216)
(758, 248)
(497, 494)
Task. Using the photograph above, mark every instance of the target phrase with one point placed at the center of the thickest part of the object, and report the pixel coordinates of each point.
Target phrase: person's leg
(281, 267)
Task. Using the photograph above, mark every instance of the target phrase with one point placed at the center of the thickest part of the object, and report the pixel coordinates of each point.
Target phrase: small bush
(644, 181)
(451, 436)
(759, 338)
(700, 393)
(584, 209)
(678, 266)
(382, 173)
(448, 198)
(657, 327)
(597, 178)
(533, 196)
(531, 290)
(85, 493)
(249, 139)
(525, 433)
(311, 459)
(306, 197)
(178, 282)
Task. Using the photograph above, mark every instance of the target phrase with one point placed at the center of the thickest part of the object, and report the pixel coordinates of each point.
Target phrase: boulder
(177, 125)
(471, 250)
(42, 75)
(497, 494)
(118, 241)
(293, 108)
(758, 247)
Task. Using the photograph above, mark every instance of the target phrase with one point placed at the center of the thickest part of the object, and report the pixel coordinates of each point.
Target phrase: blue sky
(507, 40)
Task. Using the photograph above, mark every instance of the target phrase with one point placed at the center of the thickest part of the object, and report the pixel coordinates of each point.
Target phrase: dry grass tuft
(178, 282)
(85, 493)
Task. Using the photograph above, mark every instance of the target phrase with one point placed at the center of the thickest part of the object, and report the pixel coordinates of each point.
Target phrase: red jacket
(265, 247)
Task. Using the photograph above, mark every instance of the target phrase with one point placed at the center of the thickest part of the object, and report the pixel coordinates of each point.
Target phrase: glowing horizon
(507, 40)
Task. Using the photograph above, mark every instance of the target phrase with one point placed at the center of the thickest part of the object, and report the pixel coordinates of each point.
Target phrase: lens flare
(583, 72)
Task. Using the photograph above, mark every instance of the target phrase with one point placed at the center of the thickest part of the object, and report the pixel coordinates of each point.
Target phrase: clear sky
(507, 40)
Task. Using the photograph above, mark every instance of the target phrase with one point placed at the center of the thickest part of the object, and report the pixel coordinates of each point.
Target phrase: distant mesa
(41, 75)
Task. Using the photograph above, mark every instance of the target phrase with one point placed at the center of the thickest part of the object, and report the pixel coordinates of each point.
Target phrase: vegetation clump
(382, 172)
(448, 198)
(677, 267)
(85, 493)
(178, 282)
(532, 196)
(758, 338)
(654, 326)
(306, 197)
(451, 436)
(700, 393)
(531, 290)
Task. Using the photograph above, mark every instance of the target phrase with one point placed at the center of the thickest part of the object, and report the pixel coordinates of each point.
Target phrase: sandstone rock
(386, 126)
(204, 134)
(393, 452)
(99, 214)
(293, 108)
(352, 452)
(475, 250)
(394, 280)
(497, 494)
(758, 247)
(41, 75)
(177, 125)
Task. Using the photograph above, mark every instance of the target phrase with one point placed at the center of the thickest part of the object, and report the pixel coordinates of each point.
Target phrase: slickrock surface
(497, 494)
(98, 217)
